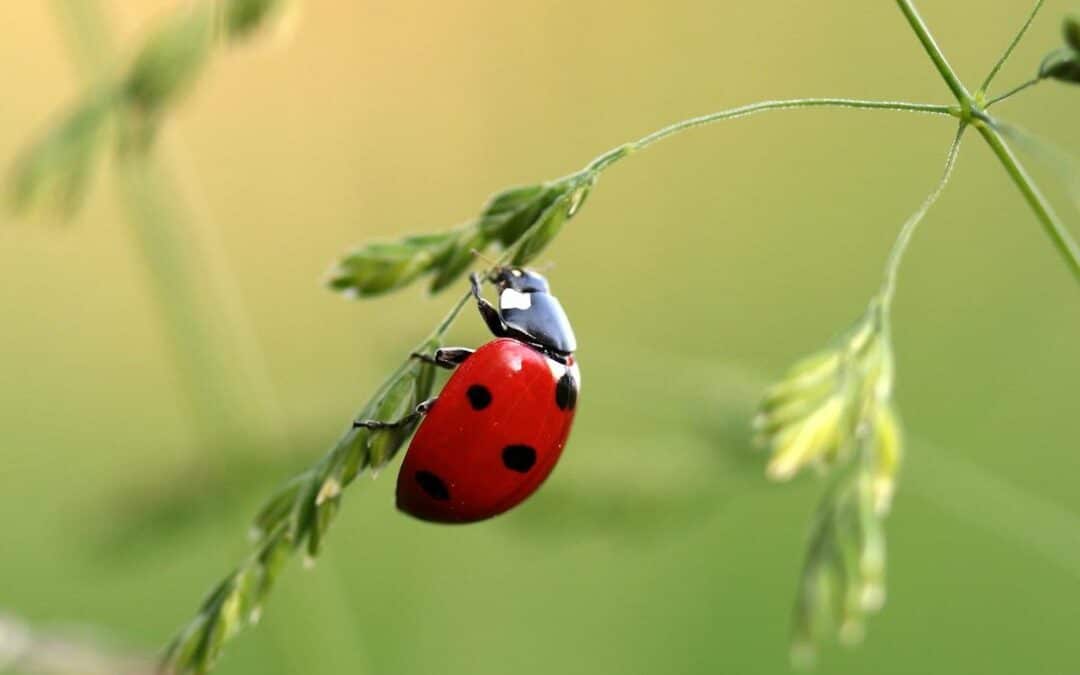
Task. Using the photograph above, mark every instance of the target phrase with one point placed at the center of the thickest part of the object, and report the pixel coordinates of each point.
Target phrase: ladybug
(499, 424)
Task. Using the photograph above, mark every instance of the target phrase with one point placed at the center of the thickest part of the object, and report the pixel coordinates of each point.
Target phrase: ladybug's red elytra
(499, 425)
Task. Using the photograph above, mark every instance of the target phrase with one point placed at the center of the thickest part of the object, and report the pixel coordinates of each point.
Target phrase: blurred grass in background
(700, 268)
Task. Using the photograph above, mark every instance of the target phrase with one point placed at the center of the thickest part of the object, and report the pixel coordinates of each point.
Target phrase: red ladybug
(499, 425)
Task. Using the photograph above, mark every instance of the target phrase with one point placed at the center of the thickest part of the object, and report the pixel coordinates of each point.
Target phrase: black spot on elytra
(433, 485)
(479, 396)
(518, 458)
(566, 392)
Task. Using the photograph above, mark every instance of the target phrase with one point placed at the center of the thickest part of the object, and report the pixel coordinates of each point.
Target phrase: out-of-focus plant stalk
(170, 256)
(219, 363)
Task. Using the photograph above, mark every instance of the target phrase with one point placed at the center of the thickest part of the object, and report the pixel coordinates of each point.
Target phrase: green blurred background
(697, 271)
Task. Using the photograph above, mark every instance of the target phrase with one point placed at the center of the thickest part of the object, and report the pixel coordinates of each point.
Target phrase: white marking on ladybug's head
(511, 299)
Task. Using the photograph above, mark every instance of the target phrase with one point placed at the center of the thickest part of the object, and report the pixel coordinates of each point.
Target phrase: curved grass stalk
(382, 267)
(612, 156)
(907, 231)
(793, 104)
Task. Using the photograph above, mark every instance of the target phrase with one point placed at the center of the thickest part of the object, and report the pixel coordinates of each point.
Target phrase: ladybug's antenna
(489, 261)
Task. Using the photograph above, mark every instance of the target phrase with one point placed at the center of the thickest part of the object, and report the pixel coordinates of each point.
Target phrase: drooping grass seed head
(887, 452)
(843, 577)
(815, 438)
(815, 415)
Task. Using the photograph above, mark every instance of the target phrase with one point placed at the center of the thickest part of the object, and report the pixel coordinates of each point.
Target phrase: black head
(531, 313)
(519, 279)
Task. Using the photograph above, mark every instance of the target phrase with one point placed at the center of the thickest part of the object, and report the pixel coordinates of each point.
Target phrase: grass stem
(607, 159)
(1012, 46)
(1052, 224)
(934, 51)
(1015, 90)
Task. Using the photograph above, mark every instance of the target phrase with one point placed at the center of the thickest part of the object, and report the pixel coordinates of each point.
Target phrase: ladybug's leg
(416, 414)
(491, 315)
(446, 357)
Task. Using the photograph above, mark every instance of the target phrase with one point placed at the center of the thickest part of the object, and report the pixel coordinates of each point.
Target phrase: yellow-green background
(696, 271)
